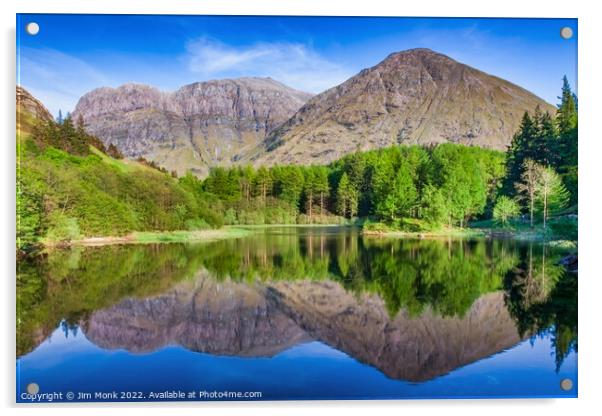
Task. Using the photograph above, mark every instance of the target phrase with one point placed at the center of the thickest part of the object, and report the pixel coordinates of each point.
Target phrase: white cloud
(294, 64)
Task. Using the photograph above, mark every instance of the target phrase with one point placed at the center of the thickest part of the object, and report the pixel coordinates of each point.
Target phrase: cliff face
(412, 97)
(262, 320)
(198, 126)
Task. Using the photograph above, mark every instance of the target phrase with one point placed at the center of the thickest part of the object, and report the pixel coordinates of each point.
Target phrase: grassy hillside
(63, 196)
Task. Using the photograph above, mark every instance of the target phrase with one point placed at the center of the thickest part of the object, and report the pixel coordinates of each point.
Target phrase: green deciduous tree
(527, 186)
(397, 197)
(433, 208)
(550, 193)
(504, 210)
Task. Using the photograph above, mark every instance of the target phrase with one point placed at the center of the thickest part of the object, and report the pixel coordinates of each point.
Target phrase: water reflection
(413, 309)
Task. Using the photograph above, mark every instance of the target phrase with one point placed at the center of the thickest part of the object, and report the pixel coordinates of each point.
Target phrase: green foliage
(567, 109)
(223, 182)
(65, 136)
(564, 227)
(444, 184)
(505, 209)
(193, 224)
(433, 207)
(30, 212)
(457, 172)
(63, 196)
(347, 197)
(288, 184)
(551, 195)
(376, 227)
(542, 296)
(551, 142)
(62, 228)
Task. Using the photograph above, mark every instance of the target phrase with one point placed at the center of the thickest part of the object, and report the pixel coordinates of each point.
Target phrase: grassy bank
(443, 232)
(559, 230)
(152, 237)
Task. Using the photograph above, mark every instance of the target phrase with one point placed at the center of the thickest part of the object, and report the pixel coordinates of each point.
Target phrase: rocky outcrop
(413, 97)
(264, 319)
(198, 126)
(29, 111)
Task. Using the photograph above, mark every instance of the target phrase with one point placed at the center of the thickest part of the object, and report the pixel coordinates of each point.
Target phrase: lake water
(298, 313)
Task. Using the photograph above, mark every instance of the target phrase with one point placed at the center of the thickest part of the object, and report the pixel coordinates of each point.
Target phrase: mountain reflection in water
(413, 309)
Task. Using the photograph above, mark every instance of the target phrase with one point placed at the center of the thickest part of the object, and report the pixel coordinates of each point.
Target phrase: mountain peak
(418, 53)
(416, 96)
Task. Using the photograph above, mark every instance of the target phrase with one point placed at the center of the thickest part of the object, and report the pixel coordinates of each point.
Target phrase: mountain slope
(198, 126)
(29, 110)
(412, 97)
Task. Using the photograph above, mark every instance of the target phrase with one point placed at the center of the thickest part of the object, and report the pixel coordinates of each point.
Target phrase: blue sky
(73, 54)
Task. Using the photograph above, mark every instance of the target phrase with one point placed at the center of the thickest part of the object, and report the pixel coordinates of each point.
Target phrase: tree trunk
(321, 203)
(532, 197)
(545, 208)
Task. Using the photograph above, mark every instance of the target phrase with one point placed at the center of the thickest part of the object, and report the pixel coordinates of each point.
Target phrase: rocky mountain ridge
(199, 125)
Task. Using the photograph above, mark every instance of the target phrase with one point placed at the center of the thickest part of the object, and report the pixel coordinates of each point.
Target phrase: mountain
(29, 110)
(412, 97)
(198, 126)
(264, 319)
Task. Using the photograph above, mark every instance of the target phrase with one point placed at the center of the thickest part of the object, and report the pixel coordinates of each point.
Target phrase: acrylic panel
(295, 208)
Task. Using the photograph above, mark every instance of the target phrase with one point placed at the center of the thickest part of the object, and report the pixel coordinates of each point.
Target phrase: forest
(70, 186)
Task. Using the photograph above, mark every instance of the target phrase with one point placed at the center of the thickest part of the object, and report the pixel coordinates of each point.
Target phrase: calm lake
(299, 313)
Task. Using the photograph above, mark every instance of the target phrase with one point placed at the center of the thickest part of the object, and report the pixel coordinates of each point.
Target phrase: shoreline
(239, 231)
(464, 233)
(531, 235)
(177, 236)
(154, 237)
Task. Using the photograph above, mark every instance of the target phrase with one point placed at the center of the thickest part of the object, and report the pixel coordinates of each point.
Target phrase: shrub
(564, 227)
(62, 228)
(376, 227)
(230, 217)
(196, 224)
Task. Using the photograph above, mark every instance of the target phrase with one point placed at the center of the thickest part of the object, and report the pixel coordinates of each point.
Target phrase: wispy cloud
(58, 78)
(295, 64)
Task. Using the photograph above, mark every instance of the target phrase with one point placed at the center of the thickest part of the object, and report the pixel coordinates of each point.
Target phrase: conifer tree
(347, 197)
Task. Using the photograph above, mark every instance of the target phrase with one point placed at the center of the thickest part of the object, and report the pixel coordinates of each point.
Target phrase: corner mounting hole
(32, 28)
(566, 32)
